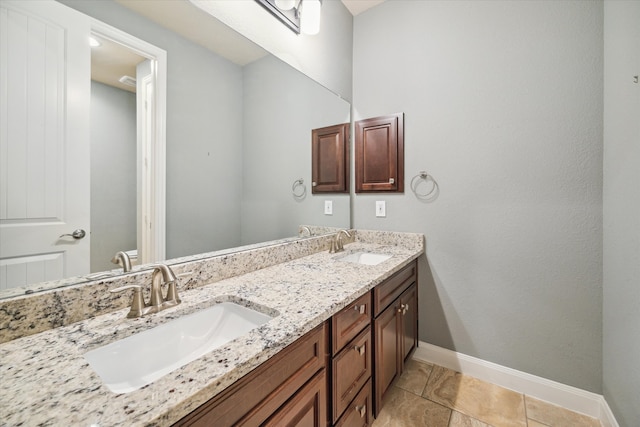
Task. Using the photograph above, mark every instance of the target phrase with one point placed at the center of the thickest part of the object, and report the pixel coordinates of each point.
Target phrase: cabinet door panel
(380, 154)
(387, 361)
(409, 304)
(330, 159)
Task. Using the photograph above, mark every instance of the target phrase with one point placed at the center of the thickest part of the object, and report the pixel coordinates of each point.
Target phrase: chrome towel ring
(298, 188)
(421, 177)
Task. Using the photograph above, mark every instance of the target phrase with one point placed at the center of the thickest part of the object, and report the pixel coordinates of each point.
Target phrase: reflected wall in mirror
(238, 134)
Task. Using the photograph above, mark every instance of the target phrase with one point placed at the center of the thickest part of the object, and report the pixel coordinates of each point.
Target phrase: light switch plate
(328, 207)
(381, 208)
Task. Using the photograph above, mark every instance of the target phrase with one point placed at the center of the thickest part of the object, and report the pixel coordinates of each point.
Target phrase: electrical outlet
(381, 208)
(328, 207)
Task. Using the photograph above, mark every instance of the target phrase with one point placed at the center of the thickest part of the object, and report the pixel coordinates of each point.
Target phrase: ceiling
(111, 61)
(358, 6)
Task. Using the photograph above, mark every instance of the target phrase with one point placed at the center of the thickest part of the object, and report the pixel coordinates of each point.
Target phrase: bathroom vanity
(339, 335)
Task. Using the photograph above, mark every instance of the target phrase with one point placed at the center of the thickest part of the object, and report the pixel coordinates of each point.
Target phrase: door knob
(77, 234)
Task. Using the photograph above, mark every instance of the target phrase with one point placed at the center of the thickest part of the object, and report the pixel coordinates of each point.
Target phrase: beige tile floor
(433, 396)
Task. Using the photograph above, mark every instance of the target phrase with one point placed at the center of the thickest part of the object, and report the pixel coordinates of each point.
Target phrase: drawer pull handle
(405, 309)
(359, 348)
(401, 309)
(362, 410)
(362, 309)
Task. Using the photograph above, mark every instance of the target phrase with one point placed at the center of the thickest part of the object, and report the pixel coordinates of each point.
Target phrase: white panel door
(45, 78)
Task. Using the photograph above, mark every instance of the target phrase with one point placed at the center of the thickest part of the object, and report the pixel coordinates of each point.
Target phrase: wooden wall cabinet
(379, 152)
(330, 159)
(395, 329)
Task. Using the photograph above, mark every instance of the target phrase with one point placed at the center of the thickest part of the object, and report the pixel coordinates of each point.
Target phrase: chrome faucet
(162, 275)
(337, 244)
(122, 258)
(304, 228)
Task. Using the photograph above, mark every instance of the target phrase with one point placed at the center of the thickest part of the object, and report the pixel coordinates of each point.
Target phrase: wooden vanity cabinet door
(330, 159)
(379, 153)
(387, 357)
(395, 329)
(409, 304)
(308, 408)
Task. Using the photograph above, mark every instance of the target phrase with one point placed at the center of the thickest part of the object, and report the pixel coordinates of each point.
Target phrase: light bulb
(310, 17)
(285, 4)
(93, 42)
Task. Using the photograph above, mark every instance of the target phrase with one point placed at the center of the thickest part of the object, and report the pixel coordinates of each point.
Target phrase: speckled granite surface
(47, 381)
(30, 314)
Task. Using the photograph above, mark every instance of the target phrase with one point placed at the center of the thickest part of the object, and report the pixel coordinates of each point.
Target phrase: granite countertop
(47, 381)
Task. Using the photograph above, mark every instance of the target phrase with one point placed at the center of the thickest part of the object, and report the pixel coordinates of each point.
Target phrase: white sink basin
(133, 362)
(366, 258)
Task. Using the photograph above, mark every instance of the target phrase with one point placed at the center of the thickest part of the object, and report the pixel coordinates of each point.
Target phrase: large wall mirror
(238, 136)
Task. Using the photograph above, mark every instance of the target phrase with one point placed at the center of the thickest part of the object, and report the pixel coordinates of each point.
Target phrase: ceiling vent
(128, 80)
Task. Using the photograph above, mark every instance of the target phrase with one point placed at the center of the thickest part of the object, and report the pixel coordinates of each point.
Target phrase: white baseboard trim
(569, 397)
(606, 415)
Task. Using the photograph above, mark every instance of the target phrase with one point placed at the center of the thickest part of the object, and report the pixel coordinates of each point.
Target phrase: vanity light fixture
(298, 15)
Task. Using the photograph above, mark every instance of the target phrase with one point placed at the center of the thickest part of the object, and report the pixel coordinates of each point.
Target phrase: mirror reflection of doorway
(127, 148)
(113, 151)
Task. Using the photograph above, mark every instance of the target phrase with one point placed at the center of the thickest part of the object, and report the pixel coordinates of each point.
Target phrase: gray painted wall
(325, 57)
(283, 105)
(204, 135)
(503, 106)
(113, 174)
(621, 345)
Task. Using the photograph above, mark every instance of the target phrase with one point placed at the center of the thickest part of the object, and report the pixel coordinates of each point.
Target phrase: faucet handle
(172, 294)
(333, 245)
(137, 304)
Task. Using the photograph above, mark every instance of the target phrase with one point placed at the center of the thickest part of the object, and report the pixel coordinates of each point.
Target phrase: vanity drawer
(255, 397)
(351, 369)
(350, 321)
(386, 292)
(307, 408)
(359, 413)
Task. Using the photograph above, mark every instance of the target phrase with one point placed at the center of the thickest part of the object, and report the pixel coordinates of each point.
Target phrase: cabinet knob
(403, 309)
(362, 410)
(359, 348)
(362, 309)
(392, 181)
